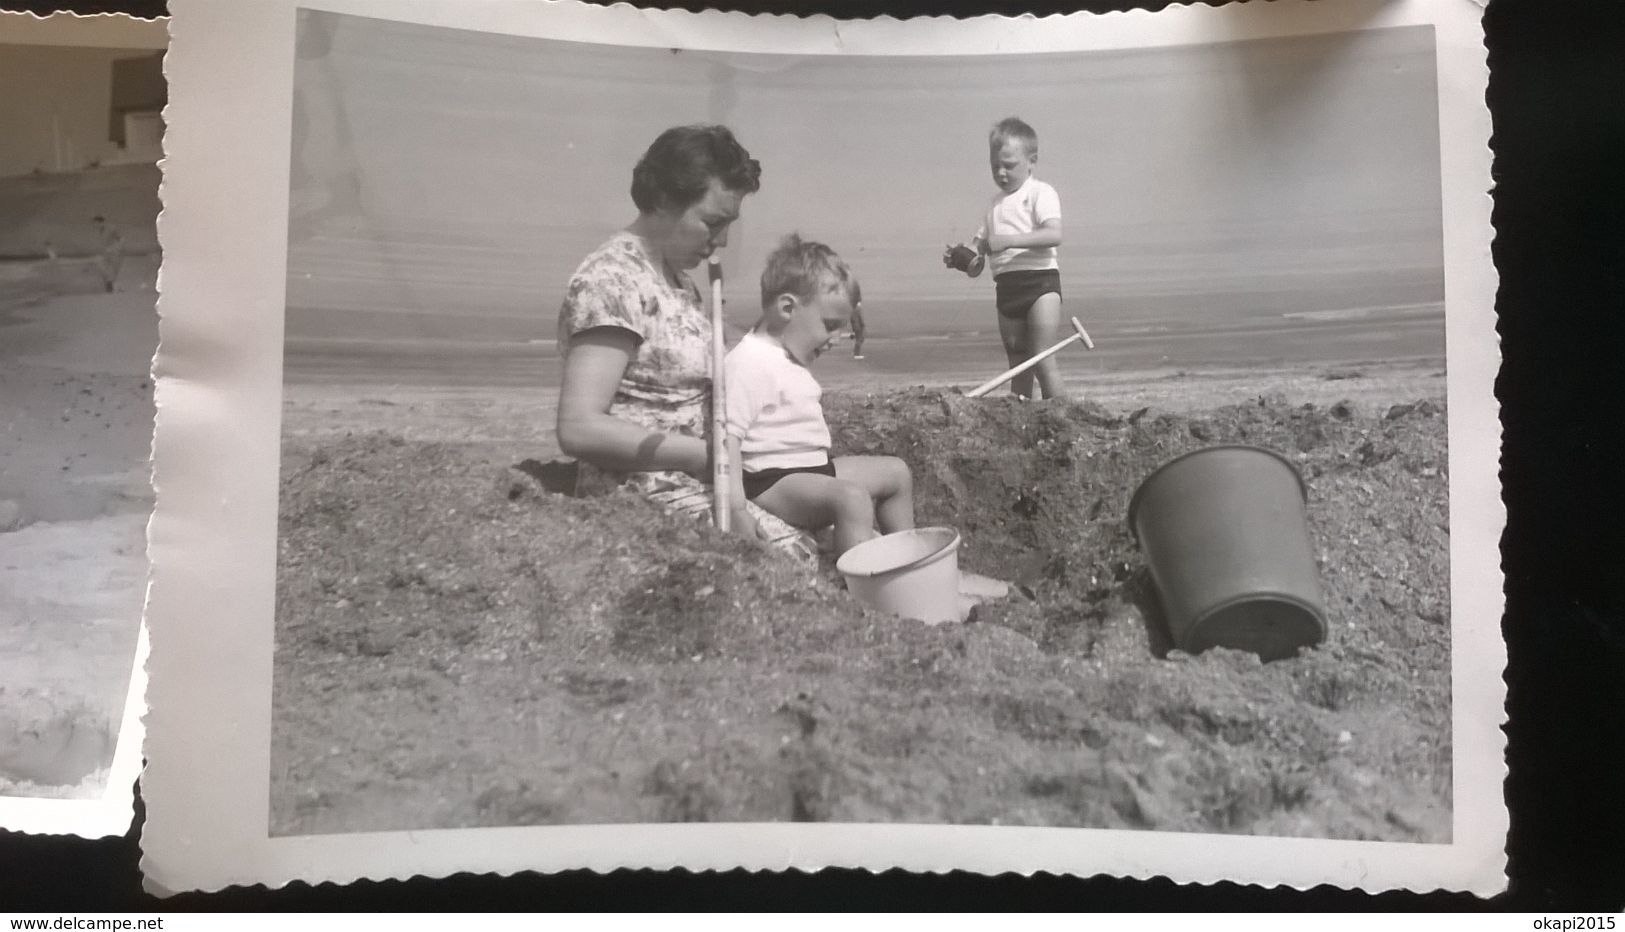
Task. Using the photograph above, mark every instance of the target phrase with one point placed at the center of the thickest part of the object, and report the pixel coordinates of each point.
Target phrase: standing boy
(776, 428)
(1019, 235)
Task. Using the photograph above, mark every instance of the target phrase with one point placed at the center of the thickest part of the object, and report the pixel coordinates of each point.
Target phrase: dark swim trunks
(1015, 292)
(760, 481)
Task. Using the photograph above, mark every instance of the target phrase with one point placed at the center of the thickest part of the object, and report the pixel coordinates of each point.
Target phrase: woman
(634, 405)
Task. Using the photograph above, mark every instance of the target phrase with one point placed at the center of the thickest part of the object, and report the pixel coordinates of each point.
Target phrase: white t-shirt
(774, 406)
(1021, 211)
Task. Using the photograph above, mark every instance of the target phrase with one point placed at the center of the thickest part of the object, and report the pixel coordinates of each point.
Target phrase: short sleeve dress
(667, 384)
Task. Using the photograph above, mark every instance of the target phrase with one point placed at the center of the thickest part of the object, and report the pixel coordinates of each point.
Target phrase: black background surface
(1557, 98)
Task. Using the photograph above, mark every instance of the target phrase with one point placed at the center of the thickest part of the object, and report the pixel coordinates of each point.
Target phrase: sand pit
(456, 646)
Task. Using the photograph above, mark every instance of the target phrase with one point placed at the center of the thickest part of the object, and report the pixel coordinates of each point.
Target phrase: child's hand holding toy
(958, 258)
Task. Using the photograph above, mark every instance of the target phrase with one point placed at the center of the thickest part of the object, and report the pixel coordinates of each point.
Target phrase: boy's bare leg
(889, 485)
(1044, 326)
(812, 501)
(1013, 333)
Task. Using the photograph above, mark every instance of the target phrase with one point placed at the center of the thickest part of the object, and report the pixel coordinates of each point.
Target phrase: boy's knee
(852, 502)
(898, 472)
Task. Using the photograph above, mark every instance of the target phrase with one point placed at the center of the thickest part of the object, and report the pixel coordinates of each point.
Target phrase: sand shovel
(721, 491)
(995, 382)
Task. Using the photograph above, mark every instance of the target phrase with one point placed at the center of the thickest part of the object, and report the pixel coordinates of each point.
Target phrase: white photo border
(213, 538)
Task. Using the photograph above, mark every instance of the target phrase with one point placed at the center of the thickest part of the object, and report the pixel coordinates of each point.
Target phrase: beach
(457, 646)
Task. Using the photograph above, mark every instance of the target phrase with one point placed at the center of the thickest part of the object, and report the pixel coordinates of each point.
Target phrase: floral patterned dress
(667, 383)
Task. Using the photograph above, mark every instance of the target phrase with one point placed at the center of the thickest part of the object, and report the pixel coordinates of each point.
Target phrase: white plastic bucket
(914, 574)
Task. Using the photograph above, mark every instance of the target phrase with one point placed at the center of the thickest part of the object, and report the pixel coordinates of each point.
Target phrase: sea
(470, 313)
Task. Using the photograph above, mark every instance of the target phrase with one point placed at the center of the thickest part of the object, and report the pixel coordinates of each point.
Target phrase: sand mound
(457, 646)
(1041, 492)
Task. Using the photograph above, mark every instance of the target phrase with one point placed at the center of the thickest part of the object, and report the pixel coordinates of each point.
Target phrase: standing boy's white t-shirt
(1023, 210)
(774, 405)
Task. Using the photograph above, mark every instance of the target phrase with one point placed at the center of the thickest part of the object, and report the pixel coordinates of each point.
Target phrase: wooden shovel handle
(996, 381)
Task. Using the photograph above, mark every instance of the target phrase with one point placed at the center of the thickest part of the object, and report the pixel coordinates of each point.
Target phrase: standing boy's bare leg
(1013, 334)
(1044, 328)
(888, 483)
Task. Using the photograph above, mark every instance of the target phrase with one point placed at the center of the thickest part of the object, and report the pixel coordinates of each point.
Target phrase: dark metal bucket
(1225, 534)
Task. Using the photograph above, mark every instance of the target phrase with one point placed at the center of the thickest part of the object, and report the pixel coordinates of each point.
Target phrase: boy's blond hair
(804, 268)
(1013, 128)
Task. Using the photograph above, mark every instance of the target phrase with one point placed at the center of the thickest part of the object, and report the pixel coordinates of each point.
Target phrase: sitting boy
(776, 429)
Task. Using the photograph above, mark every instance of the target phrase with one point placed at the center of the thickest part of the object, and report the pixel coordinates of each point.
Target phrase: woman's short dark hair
(678, 168)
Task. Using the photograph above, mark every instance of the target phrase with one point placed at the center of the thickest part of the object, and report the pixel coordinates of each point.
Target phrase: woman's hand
(743, 523)
(740, 520)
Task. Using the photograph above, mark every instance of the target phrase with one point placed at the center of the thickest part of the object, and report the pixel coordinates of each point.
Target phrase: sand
(75, 433)
(457, 646)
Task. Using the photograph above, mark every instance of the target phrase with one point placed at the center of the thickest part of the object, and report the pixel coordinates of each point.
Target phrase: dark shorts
(760, 481)
(1015, 292)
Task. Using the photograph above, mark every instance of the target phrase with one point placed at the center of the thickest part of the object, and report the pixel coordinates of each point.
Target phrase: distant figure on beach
(776, 428)
(634, 402)
(857, 321)
(1019, 235)
(109, 252)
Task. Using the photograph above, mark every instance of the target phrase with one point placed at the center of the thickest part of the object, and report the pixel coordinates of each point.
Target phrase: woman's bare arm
(593, 369)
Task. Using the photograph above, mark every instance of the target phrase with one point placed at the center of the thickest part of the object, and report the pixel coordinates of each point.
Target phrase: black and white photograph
(78, 328)
(1141, 366)
(489, 648)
